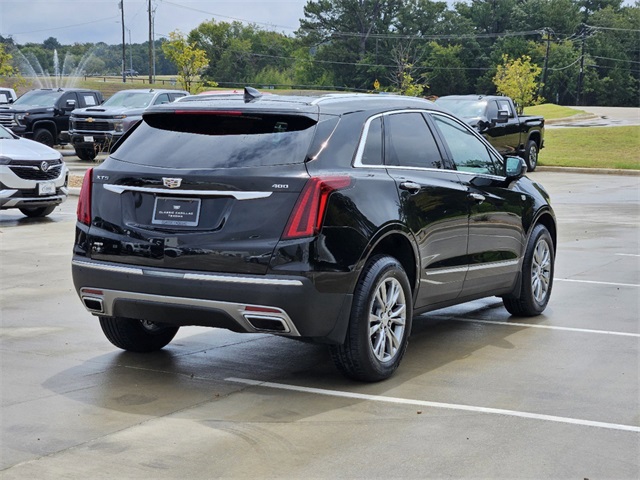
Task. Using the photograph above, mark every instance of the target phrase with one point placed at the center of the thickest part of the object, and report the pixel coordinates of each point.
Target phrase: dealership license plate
(46, 188)
(176, 211)
(88, 139)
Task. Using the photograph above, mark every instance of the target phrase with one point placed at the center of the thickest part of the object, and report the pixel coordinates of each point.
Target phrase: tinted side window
(469, 153)
(162, 98)
(505, 105)
(372, 154)
(409, 142)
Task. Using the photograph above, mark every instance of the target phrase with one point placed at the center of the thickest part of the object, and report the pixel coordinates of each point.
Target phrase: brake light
(308, 213)
(84, 202)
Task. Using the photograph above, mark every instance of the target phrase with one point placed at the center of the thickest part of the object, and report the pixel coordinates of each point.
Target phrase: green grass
(592, 147)
(551, 111)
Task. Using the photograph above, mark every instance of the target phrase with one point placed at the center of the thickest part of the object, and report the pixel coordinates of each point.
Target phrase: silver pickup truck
(95, 129)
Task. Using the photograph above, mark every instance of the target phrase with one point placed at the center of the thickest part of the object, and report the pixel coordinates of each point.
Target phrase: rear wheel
(537, 276)
(137, 335)
(42, 135)
(86, 153)
(531, 155)
(380, 322)
(34, 212)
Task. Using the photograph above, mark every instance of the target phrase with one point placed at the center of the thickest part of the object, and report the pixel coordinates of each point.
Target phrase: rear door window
(218, 140)
(409, 142)
(372, 153)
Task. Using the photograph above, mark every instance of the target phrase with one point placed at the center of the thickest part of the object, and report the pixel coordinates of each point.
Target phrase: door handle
(476, 197)
(411, 187)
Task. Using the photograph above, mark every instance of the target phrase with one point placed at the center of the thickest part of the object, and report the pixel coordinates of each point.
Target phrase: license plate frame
(46, 188)
(178, 212)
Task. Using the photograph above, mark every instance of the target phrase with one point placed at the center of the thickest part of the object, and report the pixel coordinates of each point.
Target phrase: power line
(66, 26)
(615, 59)
(611, 28)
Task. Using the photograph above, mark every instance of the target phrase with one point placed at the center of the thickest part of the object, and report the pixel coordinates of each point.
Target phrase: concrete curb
(598, 171)
(574, 118)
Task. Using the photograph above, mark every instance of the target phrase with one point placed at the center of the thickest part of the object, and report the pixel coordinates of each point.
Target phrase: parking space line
(423, 403)
(549, 327)
(596, 283)
(627, 255)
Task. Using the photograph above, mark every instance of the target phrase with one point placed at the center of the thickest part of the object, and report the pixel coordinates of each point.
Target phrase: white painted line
(423, 403)
(549, 327)
(627, 255)
(596, 283)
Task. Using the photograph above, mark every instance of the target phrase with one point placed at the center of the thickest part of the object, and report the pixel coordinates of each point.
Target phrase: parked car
(43, 114)
(97, 128)
(7, 95)
(33, 177)
(497, 119)
(332, 219)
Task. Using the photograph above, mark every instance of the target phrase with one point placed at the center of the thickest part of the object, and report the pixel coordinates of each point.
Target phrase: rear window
(218, 140)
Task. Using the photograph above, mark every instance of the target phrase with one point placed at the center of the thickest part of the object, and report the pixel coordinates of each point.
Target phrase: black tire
(368, 356)
(86, 153)
(34, 212)
(536, 276)
(136, 335)
(531, 155)
(42, 135)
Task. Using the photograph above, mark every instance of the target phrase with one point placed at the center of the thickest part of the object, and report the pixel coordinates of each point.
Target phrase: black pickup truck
(43, 114)
(497, 119)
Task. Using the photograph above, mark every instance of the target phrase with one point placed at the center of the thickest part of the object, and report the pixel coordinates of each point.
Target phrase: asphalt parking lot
(479, 394)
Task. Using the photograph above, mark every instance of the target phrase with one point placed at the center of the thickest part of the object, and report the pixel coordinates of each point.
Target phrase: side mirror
(503, 116)
(70, 105)
(515, 168)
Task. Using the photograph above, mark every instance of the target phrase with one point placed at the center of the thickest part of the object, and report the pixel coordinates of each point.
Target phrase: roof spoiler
(251, 94)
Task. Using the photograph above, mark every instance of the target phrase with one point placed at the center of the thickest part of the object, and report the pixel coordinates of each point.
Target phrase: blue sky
(94, 21)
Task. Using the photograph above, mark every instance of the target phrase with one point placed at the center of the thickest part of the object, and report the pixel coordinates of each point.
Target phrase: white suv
(33, 177)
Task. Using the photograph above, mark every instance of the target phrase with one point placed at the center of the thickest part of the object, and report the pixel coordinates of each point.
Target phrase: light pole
(124, 53)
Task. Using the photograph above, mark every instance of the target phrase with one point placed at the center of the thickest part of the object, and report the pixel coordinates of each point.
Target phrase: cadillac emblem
(44, 166)
(171, 182)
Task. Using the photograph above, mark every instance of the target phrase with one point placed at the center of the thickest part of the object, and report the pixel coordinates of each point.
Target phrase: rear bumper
(283, 305)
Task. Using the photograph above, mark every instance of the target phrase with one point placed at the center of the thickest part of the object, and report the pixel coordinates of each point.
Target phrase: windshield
(464, 108)
(38, 98)
(4, 134)
(130, 100)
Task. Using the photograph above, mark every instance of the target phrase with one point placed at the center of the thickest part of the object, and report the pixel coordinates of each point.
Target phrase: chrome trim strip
(119, 189)
(108, 267)
(189, 276)
(484, 266)
(246, 280)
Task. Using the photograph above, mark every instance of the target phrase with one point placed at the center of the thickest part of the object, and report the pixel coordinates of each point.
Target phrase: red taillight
(84, 202)
(308, 213)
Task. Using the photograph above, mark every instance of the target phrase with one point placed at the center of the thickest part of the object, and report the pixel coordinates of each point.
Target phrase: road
(603, 117)
(479, 394)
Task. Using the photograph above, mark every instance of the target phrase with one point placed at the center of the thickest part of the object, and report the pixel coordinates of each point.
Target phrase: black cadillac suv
(332, 219)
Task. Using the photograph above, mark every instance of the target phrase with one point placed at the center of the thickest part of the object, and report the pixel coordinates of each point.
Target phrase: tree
(9, 76)
(189, 59)
(518, 79)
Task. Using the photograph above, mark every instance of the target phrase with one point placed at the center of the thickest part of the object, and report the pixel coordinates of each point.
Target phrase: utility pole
(543, 87)
(151, 72)
(581, 75)
(124, 47)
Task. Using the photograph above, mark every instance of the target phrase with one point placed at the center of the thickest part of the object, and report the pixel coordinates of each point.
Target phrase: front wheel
(137, 335)
(531, 155)
(537, 276)
(44, 136)
(35, 212)
(380, 322)
(86, 153)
